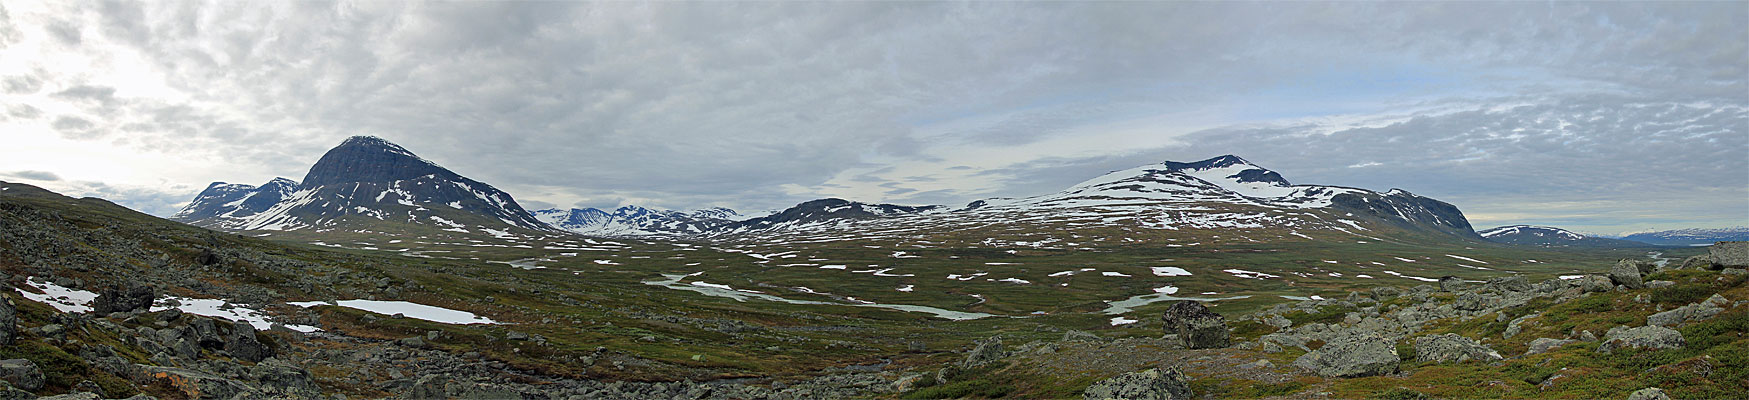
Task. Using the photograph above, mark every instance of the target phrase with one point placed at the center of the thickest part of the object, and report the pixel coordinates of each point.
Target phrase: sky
(1592, 116)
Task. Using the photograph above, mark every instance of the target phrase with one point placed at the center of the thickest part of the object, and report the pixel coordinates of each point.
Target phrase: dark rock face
(370, 159)
(1152, 384)
(114, 299)
(8, 321)
(1408, 211)
(828, 209)
(22, 373)
(1198, 327)
(243, 344)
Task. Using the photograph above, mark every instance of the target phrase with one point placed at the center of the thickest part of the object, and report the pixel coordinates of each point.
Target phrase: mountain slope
(1690, 237)
(1551, 236)
(365, 183)
(1225, 193)
(635, 221)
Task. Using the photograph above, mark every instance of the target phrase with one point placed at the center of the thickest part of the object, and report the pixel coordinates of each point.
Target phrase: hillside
(1552, 237)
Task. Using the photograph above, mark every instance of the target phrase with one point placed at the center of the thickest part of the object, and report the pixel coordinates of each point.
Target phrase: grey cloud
(22, 84)
(83, 92)
(23, 111)
(65, 31)
(32, 175)
(75, 128)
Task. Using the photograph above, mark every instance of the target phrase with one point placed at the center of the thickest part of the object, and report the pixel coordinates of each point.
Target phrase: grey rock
(428, 387)
(88, 386)
(22, 373)
(197, 384)
(1152, 384)
(114, 299)
(1544, 345)
(1595, 284)
(1729, 255)
(1470, 302)
(1451, 284)
(1198, 327)
(514, 335)
(1080, 336)
(414, 342)
(1702, 261)
(1659, 284)
(1278, 321)
(1351, 357)
(1508, 284)
(9, 392)
(74, 396)
(242, 344)
(1386, 292)
(987, 351)
(1450, 348)
(1645, 337)
(1649, 394)
(8, 321)
(1517, 325)
(279, 378)
(1693, 312)
(1627, 273)
(1735, 271)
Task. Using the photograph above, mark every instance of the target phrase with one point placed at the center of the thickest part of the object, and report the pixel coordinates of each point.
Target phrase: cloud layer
(1493, 106)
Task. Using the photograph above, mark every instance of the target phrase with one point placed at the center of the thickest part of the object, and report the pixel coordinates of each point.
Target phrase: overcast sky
(1599, 117)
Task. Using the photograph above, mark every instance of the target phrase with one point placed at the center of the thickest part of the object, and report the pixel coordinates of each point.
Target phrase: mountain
(1690, 237)
(1551, 236)
(1221, 193)
(635, 221)
(364, 183)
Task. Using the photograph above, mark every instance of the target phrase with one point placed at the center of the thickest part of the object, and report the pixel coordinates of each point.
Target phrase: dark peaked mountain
(1551, 237)
(364, 183)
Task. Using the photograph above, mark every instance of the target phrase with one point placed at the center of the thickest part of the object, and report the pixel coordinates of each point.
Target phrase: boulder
(196, 384)
(1702, 261)
(1194, 324)
(1544, 345)
(1352, 357)
(1645, 337)
(9, 392)
(1152, 384)
(282, 379)
(1729, 255)
(428, 387)
(1451, 284)
(1508, 284)
(1386, 292)
(1649, 394)
(1627, 274)
(8, 321)
(115, 299)
(243, 345)
(1470, 302)
(987, 351)
(417, 342)
(74, 396)
(1693, 312)
(1595, 284)
(1450, 347)
(22, 373)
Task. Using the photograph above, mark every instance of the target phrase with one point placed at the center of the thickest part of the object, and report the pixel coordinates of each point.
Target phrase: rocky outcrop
(1595, 284)
(114, 299)
(1729, 255)
(988, 351)
(1352, 357)
(1702, 261)
(1693, 312)
(1645, 337)
(1627, 274)
(1451, 348)
(196, 384)
(8, 320)
(1451, 284)
(1194, 324)
(22, 374)
(1152, 384)
(1649, 394)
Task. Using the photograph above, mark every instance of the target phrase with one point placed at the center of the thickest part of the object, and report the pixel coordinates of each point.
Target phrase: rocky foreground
(1636, 331)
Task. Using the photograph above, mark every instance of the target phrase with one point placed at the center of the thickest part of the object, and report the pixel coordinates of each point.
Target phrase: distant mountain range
(1552, 237)
(368, 184)
(365, 183)
(1690, 237)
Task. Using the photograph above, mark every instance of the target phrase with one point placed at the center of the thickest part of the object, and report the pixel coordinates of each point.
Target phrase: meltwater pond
(673, 282)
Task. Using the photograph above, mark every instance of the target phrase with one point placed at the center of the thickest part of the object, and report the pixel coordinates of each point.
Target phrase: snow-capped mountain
(1221, 193)
(364, 182)
(1690, 237)
(1550, 236)
(637, 221)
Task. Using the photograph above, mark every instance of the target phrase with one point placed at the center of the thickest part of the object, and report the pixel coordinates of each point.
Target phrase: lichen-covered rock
(8, 321)
(1595, 284)
(1452, 348)
(1729, 254)
(22, 373)
(1649, 394)
(1198, 327)
(1627, 274)
(1544, 345)
(1693, 312)
(987, 351)
(1702, 261)
(1352, 357)
(283, 379)
(1451, 284)
(1470, 302)
(196, 384)
(1645, 337)
(1152, 384)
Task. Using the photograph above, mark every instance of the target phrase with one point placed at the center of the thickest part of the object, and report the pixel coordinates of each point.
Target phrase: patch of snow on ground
(1166, 289)
(1466, 258)
(61, 298)
(1169, 271)
(1249, 274)
(1571, 277)
(834, 266)
(1118, 274)
(907, 288)
(1364, 276)
(223, 309)
(1015, 281)
(1115, 321)
(606, 262)
(1403, 259)
(1412, 277)
(410, 310)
